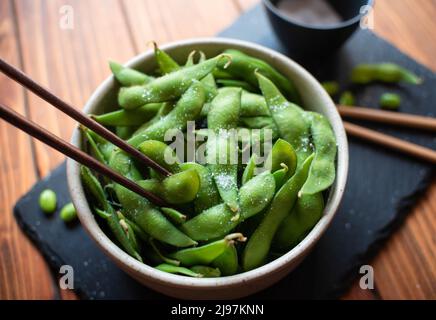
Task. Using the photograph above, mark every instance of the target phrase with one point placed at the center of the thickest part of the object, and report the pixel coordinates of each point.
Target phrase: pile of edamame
(225, 217)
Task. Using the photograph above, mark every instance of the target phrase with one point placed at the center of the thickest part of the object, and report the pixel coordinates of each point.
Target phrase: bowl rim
(346, 23)
(136, 267)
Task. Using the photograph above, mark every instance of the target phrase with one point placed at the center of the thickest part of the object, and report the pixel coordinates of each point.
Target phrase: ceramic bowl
(314, 98)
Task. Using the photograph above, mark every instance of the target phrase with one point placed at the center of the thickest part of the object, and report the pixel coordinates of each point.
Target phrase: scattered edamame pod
(390, 101)
(332, 87)
(347, 99)
(384, 72)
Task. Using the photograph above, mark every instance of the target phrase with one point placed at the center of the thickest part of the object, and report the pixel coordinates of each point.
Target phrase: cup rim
(271, 7)
(138, 268)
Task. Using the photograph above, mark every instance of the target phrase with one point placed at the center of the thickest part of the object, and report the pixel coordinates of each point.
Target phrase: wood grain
(23, 272)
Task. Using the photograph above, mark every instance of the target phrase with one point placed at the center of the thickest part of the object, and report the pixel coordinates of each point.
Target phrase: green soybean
(169, 268)
(207, 272)
(332, 87)
(383, 72)
(68, 213)
(164, 61)
(227, 262)
(347, 99)
(128, 117)
(390, 101)
(127, 76)
(47, 201)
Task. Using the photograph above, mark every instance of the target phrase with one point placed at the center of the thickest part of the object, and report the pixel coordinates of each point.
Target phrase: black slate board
(382, 187)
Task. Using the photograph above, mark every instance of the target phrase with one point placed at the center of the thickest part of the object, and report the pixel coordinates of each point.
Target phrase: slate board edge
(53, 260)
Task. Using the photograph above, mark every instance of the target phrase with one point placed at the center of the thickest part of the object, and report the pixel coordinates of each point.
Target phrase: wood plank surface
(73, 62)
(23, 272)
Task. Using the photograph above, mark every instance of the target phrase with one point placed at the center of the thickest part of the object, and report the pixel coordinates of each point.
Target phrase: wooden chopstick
(391, 142)
(74, 153)
(388, 117)
(79, 116)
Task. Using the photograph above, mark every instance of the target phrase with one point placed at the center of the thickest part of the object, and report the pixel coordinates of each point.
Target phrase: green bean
(383, 72)
(188, 108)
(259, 244)
(322, 172)
(178, 188)
(227, 262)
(94, 188)
(347, 99)
(174, 215)
(207, 195)
(332, 87)
(237, 84)
(127, 76)
(167, 87)
(289, 118)
(390, 101)
(169, 268)
(206, 271)
(140, 210)
(47, 201)
(68, 213)
(164, 61)
(224, 115)
(207, 253)
(306, 213)
(244, 66)
(219, 220)
(128, 117)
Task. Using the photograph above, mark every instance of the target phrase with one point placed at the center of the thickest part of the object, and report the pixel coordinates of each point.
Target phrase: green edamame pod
(227, 262)
(207, 272)
(390, 101)
(190, 61)
(128, 117)
(281, 175)
(165, 267)
(207, 195)
(124, 132)
(249, 169)
(217, 221)
(259, 244)
(161, 153)
(94, 188)
(256, 122)
(384, 72)
(322, 172)
(282, 155)
(332, 87)
(174, 215)
(127, 76)
(237, 84)
(160, 255)
(252, 104)
(224, 115)
(188, 108)
(306, 213)
(168, 87)
(178, 188)
(95, 150)
(244, 66)
(288, 117)
(140, 210)
(207, 253)
(347, 99)
(164, 61)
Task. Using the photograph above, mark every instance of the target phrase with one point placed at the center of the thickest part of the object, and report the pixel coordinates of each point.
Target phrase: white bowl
(314, 98)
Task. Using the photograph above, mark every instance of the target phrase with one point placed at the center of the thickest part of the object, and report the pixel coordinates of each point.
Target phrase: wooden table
(72, 62)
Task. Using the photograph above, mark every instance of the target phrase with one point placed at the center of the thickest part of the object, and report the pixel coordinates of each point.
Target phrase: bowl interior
(314, 98)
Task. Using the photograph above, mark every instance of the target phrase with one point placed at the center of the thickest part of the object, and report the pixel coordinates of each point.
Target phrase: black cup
(303, 40)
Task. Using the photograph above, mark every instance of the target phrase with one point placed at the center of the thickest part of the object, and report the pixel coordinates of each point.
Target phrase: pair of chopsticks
(390, 118)
(68, 149)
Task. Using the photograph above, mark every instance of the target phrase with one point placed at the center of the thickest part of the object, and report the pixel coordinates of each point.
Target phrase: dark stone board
(382, 187)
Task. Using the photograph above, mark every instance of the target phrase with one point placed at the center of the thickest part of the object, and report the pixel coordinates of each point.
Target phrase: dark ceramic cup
(304, 40)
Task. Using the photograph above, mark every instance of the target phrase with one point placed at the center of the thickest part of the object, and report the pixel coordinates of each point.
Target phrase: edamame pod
(165, 267)
(384, 72)
(306, 213)
(164, 61)
(188, 108)
(127, 76)
(168, 87)
(161, 153)
(322, 172)
(207, 272)
(282, 155)
(207, 253)
(227, 262)
(128, 117)
(221, 148)
(259, 244)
